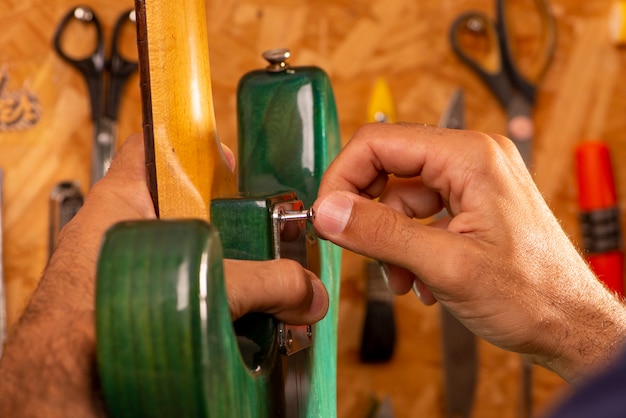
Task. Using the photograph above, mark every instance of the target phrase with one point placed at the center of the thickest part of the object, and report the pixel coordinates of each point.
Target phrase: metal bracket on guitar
(291, 338)
(282, 214)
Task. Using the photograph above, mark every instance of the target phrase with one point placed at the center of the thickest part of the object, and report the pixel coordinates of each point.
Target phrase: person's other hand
(280, 287)
(500, 262)
(50, 355)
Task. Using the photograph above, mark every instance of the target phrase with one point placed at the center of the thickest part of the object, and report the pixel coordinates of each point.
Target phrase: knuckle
(492, 149)
(363, 131)
(487, 148)
(294, 284)
(235, 303)
(386, 229)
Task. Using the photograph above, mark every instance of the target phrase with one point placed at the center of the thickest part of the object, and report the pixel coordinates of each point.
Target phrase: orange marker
(599, 214)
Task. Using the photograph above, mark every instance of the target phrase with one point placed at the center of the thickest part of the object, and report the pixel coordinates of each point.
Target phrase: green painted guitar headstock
(288, 135)
(288, 128)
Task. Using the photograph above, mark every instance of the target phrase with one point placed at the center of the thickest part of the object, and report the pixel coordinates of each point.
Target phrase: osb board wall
(581, 96)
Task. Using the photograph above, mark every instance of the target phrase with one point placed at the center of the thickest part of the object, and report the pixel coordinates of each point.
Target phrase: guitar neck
(185, 164)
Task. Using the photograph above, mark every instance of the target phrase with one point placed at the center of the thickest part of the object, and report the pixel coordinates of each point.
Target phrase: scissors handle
(526, 82)
(91, 66)
(121, 68)
(487, 61)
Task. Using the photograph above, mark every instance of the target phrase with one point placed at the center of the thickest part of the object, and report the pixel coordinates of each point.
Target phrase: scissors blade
(378, 336)
(453, 117)
(526, 80)
(460, 366)
(103, 147)
(460, 358)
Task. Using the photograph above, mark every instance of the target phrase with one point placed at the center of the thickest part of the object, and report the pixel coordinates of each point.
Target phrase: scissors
(486, 47)
(104, 94)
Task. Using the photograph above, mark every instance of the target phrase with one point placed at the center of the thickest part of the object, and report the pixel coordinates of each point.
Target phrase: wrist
(591, 338)
(49, 368)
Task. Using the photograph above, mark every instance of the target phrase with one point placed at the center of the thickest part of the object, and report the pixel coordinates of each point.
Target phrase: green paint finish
(288, 135)
(246, 231)
(165, 343)
(288, 131)
(245, 225)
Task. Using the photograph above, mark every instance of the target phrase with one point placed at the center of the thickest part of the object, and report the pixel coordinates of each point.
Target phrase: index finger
(406, 150)
(373, 153)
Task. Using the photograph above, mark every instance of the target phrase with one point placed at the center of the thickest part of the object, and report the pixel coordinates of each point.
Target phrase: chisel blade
(459, 345)
(460, 366)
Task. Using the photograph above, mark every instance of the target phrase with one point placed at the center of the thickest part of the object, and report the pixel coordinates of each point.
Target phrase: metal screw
(83, 13)
(277, 59)
(296, 215)
(476, 25)
(289, 342)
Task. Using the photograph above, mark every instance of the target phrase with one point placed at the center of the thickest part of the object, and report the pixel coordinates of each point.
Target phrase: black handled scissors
(486, 47)
(104, 94)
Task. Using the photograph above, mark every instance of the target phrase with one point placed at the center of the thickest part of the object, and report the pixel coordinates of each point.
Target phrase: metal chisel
(65, 200)
(460, 359)
(378, 339)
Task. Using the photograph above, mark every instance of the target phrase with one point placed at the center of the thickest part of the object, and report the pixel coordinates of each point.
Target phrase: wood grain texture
(582, 95)
(164, 351)
(190, 168)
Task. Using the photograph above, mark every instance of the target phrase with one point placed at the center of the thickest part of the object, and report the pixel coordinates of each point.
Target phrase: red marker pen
(599, 213)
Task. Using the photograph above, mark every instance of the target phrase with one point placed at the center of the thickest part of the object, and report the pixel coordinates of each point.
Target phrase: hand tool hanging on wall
(65, 201)
(105, 79)
(459, 345)
(381, 409)
(599, 214)
(378, 337)
(488, 48)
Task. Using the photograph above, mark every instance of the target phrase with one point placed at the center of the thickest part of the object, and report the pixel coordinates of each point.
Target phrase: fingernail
(319, 304)
(416, 290)
(333, 213)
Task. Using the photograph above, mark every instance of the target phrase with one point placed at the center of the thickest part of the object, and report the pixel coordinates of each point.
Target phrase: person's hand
(279, 287)
(500, 262)
(48, 365)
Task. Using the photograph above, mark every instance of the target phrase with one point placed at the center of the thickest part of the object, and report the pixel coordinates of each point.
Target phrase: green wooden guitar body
(164, 336)
(288, 130)
(288, 135)
(166, 345)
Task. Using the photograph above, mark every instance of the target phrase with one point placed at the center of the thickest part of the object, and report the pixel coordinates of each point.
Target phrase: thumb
(376, 230)
(280, 287)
